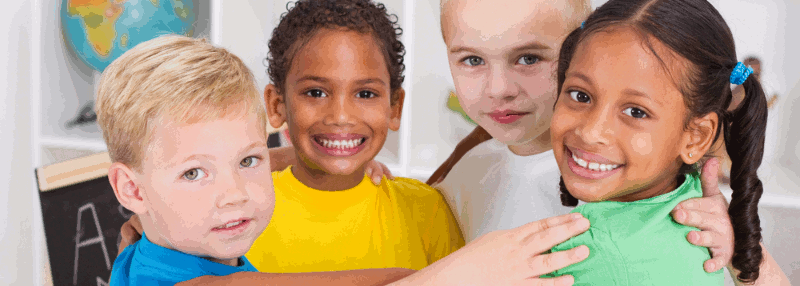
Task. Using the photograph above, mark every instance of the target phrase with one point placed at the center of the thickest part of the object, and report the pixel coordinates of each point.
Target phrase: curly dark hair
(694, 30)
(306, 17)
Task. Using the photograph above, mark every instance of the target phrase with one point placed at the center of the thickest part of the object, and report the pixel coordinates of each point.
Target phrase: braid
(745, 145)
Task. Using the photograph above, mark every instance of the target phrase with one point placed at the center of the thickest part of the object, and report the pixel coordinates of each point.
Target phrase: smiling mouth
(340, 144)
(583, 165)
(593, 165)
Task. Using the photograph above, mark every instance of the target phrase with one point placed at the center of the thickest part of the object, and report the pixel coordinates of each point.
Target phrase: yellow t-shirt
(401, 223)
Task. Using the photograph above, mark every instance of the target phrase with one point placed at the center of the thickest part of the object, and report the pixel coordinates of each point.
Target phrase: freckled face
(618, 120)
(504, 71)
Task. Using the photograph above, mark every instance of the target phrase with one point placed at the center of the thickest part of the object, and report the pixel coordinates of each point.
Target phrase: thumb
(709, 178)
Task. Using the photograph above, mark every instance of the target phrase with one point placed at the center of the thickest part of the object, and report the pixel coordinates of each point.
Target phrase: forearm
(769, 272)
(363, 277)
(281, 157)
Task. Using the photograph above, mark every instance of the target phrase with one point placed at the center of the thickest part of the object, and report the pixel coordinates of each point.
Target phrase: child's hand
(710, 215)
(510, 257)
(130, 233)
(376, 170)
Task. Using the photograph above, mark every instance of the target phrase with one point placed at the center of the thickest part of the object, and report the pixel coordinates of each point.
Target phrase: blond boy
(186, 131)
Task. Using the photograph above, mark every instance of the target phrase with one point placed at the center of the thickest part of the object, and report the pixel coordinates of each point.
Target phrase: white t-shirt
(491, 188)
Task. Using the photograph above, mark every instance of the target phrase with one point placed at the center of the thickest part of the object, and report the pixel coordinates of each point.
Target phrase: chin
(588, 193)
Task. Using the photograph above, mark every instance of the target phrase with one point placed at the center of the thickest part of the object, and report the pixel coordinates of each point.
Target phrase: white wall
(16, 182)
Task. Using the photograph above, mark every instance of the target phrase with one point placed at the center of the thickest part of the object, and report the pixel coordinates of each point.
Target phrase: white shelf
(91, 144)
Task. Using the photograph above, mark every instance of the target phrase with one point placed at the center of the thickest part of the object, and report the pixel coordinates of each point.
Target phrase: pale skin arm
(710, 215)
(505, 257)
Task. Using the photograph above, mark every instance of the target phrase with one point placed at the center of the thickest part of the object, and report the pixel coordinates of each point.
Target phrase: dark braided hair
(307, 17)
(694, 30)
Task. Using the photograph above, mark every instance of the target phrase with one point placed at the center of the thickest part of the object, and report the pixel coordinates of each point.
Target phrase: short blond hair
(579, 12)
(187, 79)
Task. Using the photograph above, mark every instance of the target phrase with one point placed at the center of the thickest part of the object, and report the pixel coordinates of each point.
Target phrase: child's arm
(505, 257)
(282, 157)
(353, 277)
(710, 215)
(477, 136)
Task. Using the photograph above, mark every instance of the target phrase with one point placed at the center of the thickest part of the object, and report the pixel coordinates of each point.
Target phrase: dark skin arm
(362, 277)
(477, 136)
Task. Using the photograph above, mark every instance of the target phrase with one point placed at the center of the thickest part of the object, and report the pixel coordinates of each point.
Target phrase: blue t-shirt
(146, 263)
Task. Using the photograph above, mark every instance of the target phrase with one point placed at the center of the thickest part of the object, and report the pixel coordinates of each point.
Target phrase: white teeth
(340, 144)
(233, 224)
(592, 165)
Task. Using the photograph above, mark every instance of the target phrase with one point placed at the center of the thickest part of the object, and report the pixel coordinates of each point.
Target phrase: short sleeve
(604, 266)
(443, 236)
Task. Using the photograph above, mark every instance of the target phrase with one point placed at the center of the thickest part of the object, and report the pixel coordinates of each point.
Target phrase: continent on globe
(98, 19)
(99, 31)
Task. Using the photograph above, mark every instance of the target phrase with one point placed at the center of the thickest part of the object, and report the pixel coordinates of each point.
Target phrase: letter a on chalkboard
(82, 219)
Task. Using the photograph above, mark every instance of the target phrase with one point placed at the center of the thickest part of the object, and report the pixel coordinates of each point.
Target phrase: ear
(126, 188)
(397, 109)
(276, 106)
(698, 137)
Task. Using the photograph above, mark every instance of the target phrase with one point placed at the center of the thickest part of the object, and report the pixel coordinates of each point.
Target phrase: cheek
(642, 144)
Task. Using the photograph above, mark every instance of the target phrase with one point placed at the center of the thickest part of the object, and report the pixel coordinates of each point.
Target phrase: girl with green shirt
(644, 87)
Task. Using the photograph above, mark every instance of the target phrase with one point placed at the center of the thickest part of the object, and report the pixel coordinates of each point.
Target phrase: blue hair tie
(740, 73)
(582, 23)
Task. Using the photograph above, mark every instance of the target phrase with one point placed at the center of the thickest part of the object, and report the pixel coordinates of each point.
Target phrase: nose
(235, 192)
(596, 126)
(340, 111)
(500, 84)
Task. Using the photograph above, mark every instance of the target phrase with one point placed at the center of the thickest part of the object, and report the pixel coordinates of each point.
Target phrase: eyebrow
(634, 92)
(325, 80)
(581, 76)
(535, 45)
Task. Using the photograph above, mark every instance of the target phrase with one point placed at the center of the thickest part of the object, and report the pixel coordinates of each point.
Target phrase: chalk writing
(96, 240)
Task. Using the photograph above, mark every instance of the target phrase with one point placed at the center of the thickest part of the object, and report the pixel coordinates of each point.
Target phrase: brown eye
(634, 112)
(316, 93)
(366, 94)
(249, 162)
(194, 174)
(579, 96)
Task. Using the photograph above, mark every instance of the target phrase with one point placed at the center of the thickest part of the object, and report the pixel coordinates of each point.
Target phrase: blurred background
(48, 88)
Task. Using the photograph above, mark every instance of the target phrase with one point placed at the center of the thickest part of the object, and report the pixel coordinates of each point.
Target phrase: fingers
(128, 235)
(376, 170)
(543, 264)
(720, 246)
(713, 265)
(716, 204)
(540, 225)
(709, 178)
(566, 280)
(548, 238)
(136, 223)
(718, 222)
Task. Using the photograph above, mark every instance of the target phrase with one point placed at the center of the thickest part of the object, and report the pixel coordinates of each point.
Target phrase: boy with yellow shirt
(336, 82)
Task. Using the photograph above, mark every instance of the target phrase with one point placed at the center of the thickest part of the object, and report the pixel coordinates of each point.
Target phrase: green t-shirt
(638, 243)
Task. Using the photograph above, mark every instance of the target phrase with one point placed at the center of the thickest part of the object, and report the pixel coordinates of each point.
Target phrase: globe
(99, 31)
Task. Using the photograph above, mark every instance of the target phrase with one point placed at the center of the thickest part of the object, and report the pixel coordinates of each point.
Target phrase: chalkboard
(82, 220)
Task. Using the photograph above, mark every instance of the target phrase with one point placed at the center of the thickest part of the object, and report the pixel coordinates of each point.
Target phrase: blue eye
(579, 96)
(634, 112)
(528, 60)
(472, 61)
(194, 174)
(316, 93)
(249, 162)
(366, 94)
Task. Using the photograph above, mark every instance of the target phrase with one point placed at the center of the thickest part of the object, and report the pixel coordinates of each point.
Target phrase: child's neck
(658, 187)
(321, 180)
(156, 238)
(538, 145)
